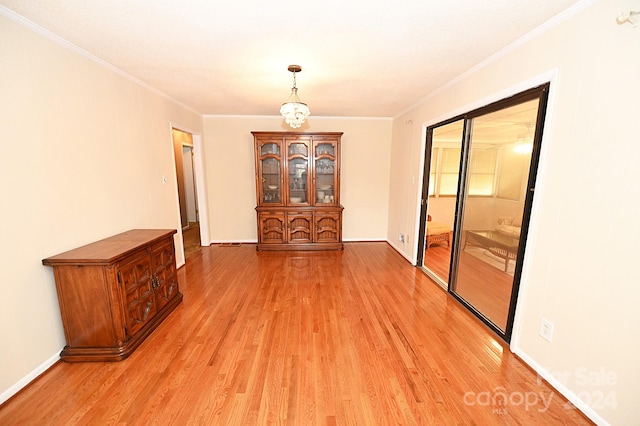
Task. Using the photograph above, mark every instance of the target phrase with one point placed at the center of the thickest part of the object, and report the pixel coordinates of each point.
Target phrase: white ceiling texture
(359, 58)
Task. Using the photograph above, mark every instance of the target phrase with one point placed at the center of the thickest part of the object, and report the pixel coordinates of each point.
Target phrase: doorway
(479, 181)
(187, 193)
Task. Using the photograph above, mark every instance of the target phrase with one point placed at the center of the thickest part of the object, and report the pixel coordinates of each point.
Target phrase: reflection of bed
(437, 232)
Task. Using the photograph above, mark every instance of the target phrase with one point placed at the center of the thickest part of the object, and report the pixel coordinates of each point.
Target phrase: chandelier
(294, 111)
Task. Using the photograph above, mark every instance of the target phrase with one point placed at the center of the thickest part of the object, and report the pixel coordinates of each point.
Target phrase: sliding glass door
(487, 212)
(442, 185)
(498, 165)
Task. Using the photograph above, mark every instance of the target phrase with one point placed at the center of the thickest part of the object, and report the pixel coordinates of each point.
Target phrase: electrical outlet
(401, 238)
(546, 329)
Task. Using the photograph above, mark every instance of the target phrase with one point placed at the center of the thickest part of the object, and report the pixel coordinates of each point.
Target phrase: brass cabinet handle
(155, 282)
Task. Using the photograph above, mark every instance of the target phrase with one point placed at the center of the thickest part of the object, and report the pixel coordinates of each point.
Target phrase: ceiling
(372, 58)
(505, 126)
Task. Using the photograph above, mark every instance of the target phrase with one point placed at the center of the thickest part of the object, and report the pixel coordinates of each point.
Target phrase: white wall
(230, 164)
(579, 269)
(82, 158)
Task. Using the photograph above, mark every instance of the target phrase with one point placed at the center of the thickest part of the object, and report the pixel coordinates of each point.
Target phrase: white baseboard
(233, 241)
(561, 388)
(4, 396)
(400, 250)
(348, 240)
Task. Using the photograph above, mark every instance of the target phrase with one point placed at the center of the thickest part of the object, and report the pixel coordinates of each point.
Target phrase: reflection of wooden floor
(437, 259)
(484, 286)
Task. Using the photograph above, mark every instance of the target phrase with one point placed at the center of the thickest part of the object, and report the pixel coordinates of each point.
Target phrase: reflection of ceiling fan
(524, 142)
(528, 133)
(498, 128)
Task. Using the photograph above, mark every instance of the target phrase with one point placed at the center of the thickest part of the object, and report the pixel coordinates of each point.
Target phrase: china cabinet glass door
(325, 168)
(298, 171)
(270, 165)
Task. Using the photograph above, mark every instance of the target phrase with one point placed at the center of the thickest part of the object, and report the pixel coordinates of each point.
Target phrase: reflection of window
(445, 169)
(512, 174)
(449, 171)
(482, 171)
(433, 172)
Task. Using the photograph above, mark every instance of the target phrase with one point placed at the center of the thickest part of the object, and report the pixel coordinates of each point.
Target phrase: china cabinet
(113, 293)
(298, 190)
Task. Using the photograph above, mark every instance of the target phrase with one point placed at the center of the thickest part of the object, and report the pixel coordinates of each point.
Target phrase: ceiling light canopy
(631, 17)
(294, 111)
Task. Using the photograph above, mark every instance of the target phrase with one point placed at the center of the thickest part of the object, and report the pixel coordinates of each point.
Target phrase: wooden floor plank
(357, 336)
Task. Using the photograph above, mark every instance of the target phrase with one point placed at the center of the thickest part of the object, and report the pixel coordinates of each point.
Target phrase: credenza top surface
(109, 250)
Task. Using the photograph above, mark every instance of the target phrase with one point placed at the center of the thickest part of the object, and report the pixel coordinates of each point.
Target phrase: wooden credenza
(113, 293)
(298, 190)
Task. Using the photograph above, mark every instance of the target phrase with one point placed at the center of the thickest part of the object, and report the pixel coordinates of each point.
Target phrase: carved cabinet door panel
(300, 227)
(134, 277)
(327, 228)
(164, 280)
(271, 228)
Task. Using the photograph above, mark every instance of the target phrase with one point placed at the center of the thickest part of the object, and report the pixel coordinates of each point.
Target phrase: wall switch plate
(546, 329)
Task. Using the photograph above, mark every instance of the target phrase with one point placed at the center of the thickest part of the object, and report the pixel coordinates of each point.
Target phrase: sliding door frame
(540, 92)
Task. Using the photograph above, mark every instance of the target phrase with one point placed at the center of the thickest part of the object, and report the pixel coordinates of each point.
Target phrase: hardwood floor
(191, 239)
(355, 337)
(481, 284)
